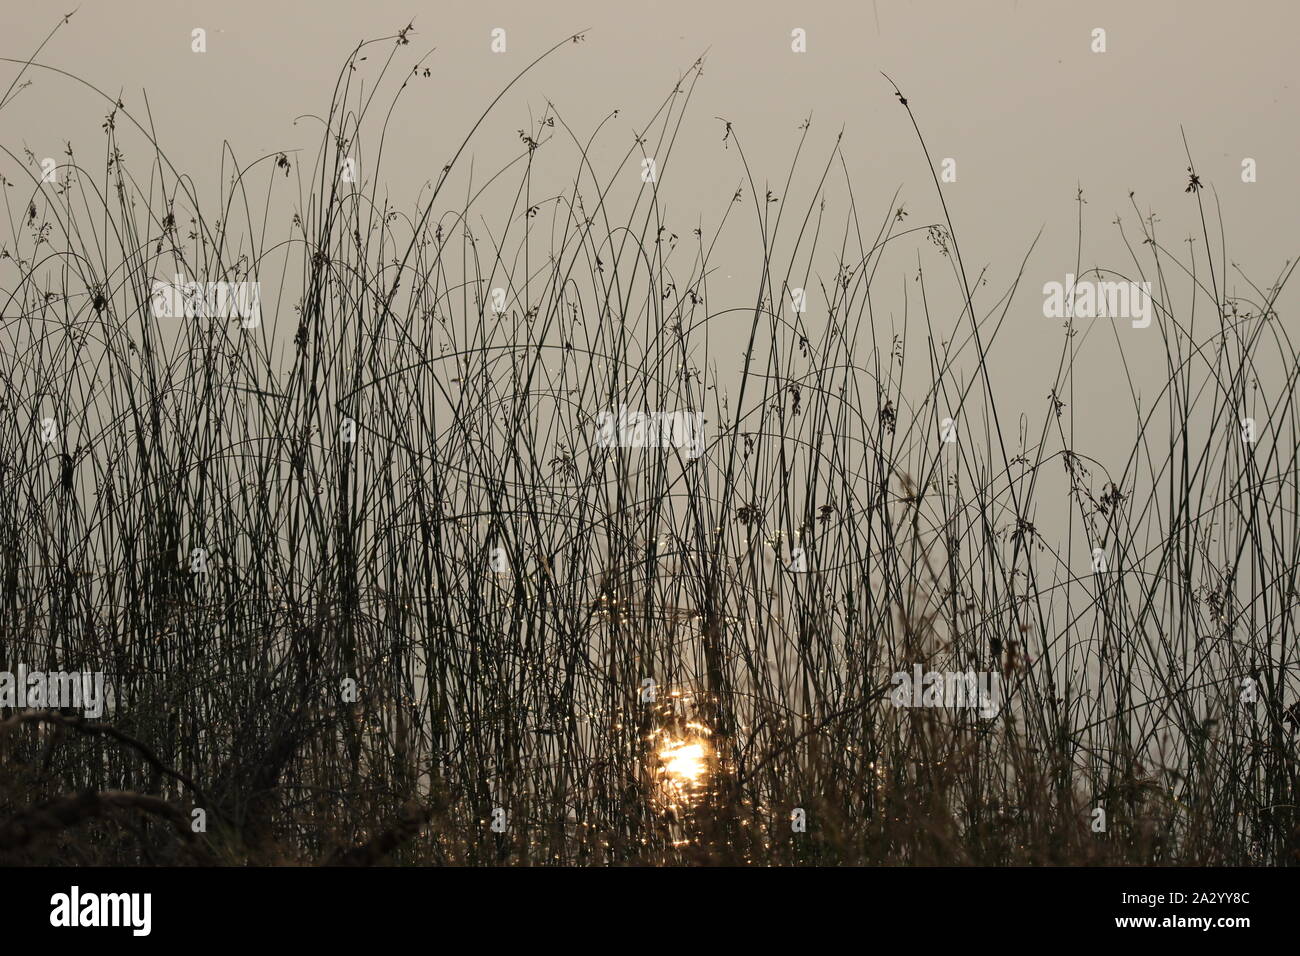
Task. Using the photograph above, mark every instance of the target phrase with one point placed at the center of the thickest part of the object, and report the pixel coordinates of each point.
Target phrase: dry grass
(369, 561)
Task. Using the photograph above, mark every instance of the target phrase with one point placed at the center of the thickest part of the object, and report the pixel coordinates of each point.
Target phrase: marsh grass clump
(364, 580)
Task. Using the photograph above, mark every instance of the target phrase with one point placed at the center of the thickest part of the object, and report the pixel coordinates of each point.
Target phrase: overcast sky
(1011, 90)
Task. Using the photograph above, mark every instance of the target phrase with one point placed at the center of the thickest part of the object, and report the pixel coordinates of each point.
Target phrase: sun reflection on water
(685, 755)
(683, 762)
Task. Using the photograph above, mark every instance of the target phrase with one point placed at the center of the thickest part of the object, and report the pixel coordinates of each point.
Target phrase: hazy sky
(1010, 90)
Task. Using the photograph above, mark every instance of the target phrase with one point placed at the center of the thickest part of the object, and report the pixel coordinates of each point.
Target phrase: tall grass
(371, 561)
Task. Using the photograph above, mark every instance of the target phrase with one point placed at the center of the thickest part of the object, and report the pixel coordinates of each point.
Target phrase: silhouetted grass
(370, 561)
